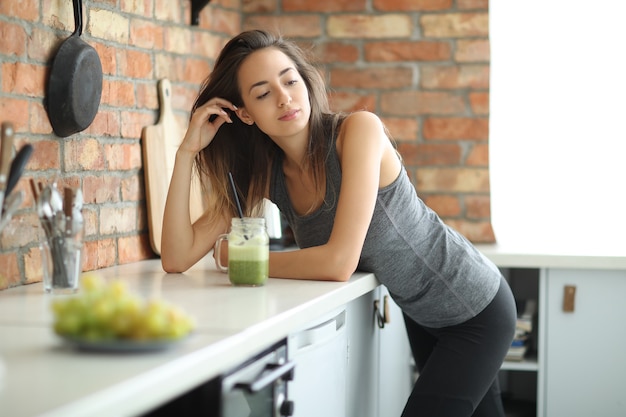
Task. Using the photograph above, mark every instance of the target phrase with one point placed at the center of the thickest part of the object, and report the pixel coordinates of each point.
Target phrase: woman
(263, 114)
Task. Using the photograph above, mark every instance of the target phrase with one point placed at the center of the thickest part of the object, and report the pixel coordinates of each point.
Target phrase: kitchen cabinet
(573, 366)
(585, 372)
(380, 370)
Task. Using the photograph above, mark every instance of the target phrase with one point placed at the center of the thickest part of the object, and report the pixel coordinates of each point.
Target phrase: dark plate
(121, 346)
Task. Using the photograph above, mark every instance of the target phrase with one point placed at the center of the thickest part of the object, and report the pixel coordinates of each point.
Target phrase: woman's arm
(368, 161)
(184, 243)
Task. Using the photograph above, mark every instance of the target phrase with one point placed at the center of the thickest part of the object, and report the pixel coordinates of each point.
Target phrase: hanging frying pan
(75, 84)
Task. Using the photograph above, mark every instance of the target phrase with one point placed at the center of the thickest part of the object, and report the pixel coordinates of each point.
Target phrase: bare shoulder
(363, 120)
(361, 126)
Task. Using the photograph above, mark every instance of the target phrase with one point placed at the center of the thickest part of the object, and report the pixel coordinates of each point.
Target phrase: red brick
(42, 44)
(344, 101)
(479, 102)
(408, 103)
(472, 4)
(454, 77)
(392, 51)
(300, 26)
(23, 9)
(101, 189)
(117, 220)
(456, 128)
(452, 180)
(334, 52)
(206, 44)
(108, 58)
(132, 189)
(106, 123)
(430, 154)
(139, 7)
(99, 254)
(26, 79)
(475, 231)
(134, 248)
(118, 93)
(326, 6)
(84, 154)
(123, 156)
(258, 6)
(12, 39)
(170, 67)
(46, 155)
(167, 10)
(16, 111)
(196, 70)
(146, 34)
(39, 121)
(9, 270)
(412, 5)
(134, 122)
(402, 129)
(367, 26)
(472, 50)
(147, 97)
(444, 205)
(454, 25)
(477, 206)
(371, 78)
(135, 64)
(222, 20)
(33, 272)
(478, 155)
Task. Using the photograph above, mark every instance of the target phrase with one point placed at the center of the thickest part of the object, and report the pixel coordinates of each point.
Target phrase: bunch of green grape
(109, 311)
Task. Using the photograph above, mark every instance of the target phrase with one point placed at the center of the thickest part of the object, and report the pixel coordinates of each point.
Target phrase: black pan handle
(276, 372)
(78, 17)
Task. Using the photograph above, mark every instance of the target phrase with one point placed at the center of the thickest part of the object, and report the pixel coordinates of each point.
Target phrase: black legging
(458, 365)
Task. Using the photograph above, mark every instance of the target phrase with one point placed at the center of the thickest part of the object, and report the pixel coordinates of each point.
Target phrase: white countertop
(546, 254)
(234, 323)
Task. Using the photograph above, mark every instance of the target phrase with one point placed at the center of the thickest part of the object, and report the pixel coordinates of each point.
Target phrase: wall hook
(196, 8)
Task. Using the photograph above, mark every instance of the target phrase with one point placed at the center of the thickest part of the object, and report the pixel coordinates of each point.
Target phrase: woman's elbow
(341, 268)
(172, 266)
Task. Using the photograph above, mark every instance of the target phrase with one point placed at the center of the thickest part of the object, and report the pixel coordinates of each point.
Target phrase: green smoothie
(248, 264)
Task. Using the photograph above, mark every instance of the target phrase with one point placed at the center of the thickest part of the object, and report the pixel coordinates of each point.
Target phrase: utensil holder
(61, 258)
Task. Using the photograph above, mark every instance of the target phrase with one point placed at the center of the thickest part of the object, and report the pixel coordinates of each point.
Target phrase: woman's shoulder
(363, 116)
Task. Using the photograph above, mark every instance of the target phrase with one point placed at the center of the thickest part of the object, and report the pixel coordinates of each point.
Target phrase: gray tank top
(436, 276)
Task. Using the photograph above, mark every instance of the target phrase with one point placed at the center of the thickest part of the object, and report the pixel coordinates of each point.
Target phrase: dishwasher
(320, 354)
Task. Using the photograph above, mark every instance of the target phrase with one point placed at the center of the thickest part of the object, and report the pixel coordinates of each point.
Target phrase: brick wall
(423, 65)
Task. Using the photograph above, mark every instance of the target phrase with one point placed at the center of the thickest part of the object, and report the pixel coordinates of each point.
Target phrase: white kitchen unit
(578, 370)
(380, 367)
(320, 354)
(585, 367)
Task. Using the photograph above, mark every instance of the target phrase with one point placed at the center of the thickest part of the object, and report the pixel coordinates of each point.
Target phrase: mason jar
(248, 252)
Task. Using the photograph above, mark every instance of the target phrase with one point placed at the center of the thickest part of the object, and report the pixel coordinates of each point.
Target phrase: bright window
(558, 121)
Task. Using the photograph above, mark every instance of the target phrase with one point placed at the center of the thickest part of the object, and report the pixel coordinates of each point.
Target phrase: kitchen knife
(17, 167)
(6, 153)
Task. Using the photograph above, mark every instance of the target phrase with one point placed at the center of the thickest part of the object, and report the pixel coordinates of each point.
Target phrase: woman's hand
(201, 130)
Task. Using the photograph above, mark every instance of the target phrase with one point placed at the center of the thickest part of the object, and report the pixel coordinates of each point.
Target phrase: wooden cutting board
(160, 143)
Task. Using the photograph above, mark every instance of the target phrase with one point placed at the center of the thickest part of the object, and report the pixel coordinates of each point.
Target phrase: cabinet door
(363, 349)
(585, 366)
(395, 364)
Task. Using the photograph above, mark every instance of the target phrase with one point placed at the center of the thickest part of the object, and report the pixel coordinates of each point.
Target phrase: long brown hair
(245, 150)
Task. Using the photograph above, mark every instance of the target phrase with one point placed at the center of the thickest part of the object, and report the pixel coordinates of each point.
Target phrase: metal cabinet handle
(385, 317)
(276, 372)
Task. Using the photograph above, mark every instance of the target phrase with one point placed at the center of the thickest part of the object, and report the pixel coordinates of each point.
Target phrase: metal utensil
(12, 204)
(6, 153)
(17, 167)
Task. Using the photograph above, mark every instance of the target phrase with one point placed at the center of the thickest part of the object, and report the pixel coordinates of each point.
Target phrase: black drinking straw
(232, 185)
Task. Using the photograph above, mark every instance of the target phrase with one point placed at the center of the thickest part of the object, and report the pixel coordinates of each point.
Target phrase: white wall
(558, 120)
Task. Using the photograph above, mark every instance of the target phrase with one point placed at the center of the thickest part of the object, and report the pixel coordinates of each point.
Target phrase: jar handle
(218, 253)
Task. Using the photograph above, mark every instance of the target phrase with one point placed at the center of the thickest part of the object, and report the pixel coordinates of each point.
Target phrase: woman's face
(274, 94)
